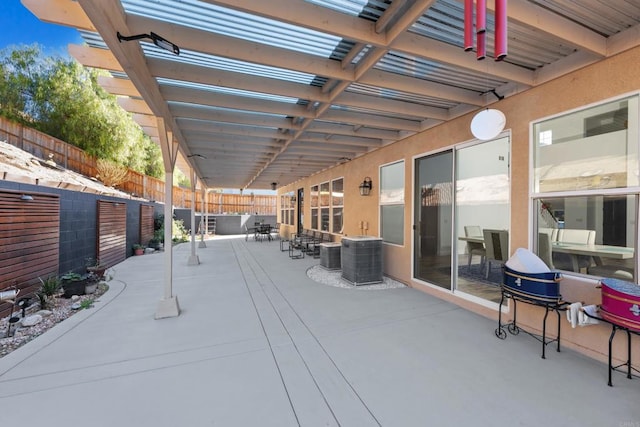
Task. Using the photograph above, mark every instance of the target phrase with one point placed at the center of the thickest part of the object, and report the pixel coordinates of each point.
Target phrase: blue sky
(18, 26)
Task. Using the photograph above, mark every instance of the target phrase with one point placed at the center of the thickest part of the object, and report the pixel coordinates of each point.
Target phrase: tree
(63, 99)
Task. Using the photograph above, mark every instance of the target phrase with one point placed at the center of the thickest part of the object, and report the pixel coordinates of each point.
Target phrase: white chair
(475, 248)
(581, 237)
(552, 232)
(496, 243)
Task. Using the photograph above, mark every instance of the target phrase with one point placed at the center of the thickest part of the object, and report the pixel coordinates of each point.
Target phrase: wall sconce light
(157, 40)
(366, 186)
(293, 199)
(26, 197)
(274, 185)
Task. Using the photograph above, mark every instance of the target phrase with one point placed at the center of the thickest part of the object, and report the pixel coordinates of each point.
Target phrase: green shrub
(49, 288)
(87, 303)
(71, 277)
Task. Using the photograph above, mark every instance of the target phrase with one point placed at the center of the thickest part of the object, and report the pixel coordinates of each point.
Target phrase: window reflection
(590, 234)
(595, 148)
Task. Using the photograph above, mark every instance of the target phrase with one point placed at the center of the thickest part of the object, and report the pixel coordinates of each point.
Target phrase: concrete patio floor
(258, 343)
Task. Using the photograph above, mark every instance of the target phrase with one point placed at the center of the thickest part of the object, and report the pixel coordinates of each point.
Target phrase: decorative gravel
(61, 309)
(334, 278)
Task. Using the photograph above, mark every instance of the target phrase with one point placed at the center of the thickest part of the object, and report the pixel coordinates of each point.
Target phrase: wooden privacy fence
(146, 224)
(222, 203)
(29, 238)
(71, 157)
(112, 232)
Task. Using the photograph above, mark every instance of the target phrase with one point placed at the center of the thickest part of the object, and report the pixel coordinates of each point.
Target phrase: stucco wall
(616, 76)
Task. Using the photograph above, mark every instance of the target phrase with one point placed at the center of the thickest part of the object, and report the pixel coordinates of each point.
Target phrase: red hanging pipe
(481, 29)
(481, 16)
(500, 46)
(468, 25)
(481, 45)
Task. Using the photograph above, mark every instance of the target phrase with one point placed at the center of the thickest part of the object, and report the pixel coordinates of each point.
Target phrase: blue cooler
(542, 287)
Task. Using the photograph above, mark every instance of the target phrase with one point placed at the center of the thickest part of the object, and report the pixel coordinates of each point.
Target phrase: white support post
(204, 224)
(168, 305)
(193, 258)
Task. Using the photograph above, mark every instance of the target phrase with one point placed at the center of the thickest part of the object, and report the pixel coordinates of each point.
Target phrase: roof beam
(188, 125)
(384, 79)
(63, 12)
(207, 113)
(242, 50)
(390, 105)
(222, 100)
(197, 74)
(417, 45)
(308, 15)
(551, 23)
(117, 86)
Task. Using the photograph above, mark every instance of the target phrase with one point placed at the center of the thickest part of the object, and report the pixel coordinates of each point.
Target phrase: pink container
(621, 303)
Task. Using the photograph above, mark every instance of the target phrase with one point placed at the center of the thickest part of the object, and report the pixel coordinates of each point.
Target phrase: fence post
(21, 138)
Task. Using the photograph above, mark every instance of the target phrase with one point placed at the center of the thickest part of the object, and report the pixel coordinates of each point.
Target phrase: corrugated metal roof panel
(350, 7)
(528, 47)
(604, 17)
(216, 19)
(401, 63)
(227, 91)
(401, 96)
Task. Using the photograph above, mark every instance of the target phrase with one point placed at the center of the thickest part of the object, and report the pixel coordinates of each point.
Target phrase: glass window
(391, 223)
(392, 203)
(588, 234)
(324, 194)
(337, 192)
(482, 212)
(324, 218)
(586, 190)
(314, 219)
(337, 202)
(287, 205)
(592, 149)
(314, 197)
(337, 220)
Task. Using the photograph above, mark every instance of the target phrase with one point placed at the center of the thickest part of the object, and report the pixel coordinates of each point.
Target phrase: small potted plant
(96, 268)
(156, 241)
(91, 284)
(73, 284)
(138, 249)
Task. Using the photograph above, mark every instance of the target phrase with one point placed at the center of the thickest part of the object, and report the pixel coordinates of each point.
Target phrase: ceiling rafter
(394, 73)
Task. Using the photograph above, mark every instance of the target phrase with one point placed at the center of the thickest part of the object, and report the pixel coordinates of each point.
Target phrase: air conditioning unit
(330, 255)
(361, 259)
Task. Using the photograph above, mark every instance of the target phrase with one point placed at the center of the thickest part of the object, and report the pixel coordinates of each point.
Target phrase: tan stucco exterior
(593, 84)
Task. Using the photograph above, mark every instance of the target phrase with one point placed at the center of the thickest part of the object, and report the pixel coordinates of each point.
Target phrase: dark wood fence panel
(112, 232)
(146, 224)
(29, 241)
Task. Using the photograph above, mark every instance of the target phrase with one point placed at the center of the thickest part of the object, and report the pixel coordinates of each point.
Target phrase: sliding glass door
(482, 213)
(432, 218)
(451, 226)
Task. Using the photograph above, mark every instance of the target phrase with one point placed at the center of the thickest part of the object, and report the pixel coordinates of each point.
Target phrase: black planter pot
(74, 287)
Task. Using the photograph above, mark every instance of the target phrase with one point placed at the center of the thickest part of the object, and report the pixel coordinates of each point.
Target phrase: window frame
(394, 201)
(589, 192)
